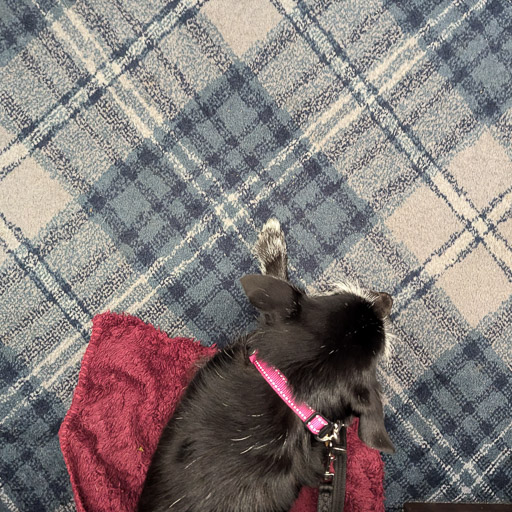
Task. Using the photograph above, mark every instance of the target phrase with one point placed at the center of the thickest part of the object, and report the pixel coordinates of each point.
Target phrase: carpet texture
(144, 143)
(131, 379)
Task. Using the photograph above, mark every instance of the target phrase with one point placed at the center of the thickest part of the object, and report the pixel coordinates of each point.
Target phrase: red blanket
(131, 379)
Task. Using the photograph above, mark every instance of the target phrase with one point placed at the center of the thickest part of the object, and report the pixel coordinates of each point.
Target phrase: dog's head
(328, 346)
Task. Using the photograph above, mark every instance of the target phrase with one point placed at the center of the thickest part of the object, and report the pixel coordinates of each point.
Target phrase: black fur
(232, 444)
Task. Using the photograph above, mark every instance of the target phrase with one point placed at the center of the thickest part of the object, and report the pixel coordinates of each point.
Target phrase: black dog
(233, 444)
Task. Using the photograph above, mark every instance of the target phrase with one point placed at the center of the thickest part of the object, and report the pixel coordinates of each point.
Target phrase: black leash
(331, 492)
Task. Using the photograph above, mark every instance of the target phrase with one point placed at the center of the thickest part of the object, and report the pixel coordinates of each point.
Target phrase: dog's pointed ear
(383, 304)
(270, 295)
(371, 425)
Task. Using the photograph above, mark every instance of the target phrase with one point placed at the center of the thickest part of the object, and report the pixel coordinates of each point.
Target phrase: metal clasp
(332, 442)
(328, 474)
(333, 435)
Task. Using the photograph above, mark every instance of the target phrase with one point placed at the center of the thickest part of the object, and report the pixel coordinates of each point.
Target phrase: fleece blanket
(131, 379)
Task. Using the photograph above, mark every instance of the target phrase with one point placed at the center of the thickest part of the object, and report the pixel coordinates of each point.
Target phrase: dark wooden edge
(457, 507)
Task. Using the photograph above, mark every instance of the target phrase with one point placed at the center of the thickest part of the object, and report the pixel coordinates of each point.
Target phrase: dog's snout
(383, 303)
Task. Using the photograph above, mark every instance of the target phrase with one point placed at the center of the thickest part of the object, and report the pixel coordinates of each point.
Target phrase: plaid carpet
(144, 143)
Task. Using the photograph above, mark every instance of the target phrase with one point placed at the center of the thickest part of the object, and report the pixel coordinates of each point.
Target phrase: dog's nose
(383, 303)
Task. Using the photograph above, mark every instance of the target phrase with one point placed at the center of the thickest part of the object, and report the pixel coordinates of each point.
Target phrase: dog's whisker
(177, 501)
(220, 376)
(190, 463)
(242, 438)
(261, 446)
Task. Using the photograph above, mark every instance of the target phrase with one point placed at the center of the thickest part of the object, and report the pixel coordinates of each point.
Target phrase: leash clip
(330, 432)
(332, 441)
(331, 491)
(329, 473)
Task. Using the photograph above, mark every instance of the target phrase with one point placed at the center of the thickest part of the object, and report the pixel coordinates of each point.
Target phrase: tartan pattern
(142, 147)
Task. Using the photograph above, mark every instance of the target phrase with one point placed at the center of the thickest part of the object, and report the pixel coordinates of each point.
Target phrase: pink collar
(321, 427)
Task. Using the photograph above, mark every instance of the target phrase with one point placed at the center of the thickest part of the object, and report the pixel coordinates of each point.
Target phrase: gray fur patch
(270, 249)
